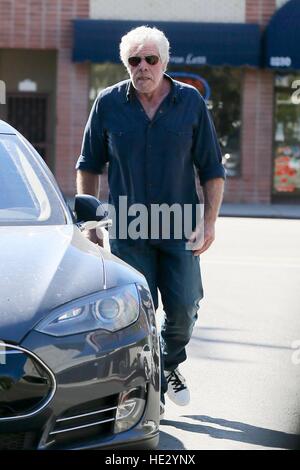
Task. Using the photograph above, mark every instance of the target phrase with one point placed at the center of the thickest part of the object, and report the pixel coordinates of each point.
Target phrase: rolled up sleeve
(207, 155)
(93, 155)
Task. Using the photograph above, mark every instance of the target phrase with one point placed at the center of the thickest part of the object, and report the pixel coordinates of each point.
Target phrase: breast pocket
(180, 139)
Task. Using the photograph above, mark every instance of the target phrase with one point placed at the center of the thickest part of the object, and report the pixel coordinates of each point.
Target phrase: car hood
(42, 267)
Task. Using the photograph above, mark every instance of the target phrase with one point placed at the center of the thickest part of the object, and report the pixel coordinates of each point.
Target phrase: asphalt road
(244, 358)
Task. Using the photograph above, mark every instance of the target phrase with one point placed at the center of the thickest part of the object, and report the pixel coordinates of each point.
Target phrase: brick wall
(72, 111)
(255, 183)
(39, 24)
(259, 11)
(47, 24)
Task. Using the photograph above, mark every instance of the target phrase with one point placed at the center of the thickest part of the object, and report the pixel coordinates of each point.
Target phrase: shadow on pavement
(215, 328)
(239, 343)
(168, 442)
(240, 432)
(224, 359)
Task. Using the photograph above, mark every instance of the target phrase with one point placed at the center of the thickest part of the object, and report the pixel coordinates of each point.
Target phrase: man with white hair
(153, 131)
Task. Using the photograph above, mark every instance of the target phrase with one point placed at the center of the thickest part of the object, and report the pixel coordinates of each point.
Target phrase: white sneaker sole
(178, 402)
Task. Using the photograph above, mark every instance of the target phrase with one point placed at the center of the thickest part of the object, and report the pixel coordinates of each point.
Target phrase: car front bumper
(90, 372)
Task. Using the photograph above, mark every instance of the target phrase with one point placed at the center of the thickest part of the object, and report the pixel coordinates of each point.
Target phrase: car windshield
(26, 194)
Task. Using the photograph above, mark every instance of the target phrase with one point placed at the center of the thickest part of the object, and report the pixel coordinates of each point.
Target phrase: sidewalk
(269, 211)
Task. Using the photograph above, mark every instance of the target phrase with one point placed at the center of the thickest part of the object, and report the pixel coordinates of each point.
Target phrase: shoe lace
(176, 382)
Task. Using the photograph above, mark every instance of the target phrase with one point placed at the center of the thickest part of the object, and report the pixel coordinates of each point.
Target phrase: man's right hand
(94, 236)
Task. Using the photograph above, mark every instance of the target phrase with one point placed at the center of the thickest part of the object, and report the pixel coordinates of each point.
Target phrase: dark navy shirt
(151, 161)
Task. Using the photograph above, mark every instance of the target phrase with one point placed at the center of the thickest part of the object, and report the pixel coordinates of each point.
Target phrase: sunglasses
(134, 61)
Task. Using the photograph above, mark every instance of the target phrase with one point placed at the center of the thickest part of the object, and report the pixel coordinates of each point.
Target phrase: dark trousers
(175, 271)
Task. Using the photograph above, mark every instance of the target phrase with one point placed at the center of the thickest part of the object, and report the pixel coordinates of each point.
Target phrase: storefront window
(104, 75)
(223, 99)
(286, 179)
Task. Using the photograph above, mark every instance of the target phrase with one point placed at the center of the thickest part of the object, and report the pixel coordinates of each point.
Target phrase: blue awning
(282, 38)
(191, 43)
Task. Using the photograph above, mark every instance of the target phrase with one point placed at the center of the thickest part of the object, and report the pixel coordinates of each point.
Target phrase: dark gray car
(79, 353)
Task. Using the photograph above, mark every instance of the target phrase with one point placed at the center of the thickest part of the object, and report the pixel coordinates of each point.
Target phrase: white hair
(141, 36)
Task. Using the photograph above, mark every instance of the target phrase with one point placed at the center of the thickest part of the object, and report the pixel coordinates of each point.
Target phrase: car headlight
(111, 309)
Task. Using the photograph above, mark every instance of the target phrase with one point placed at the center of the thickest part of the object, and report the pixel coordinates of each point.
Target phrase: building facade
(56, 55)
(46, 92)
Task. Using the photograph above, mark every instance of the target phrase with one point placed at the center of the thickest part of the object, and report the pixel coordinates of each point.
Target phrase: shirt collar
(174, 96)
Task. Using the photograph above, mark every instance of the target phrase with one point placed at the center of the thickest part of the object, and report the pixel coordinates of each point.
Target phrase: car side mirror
(88, 208)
